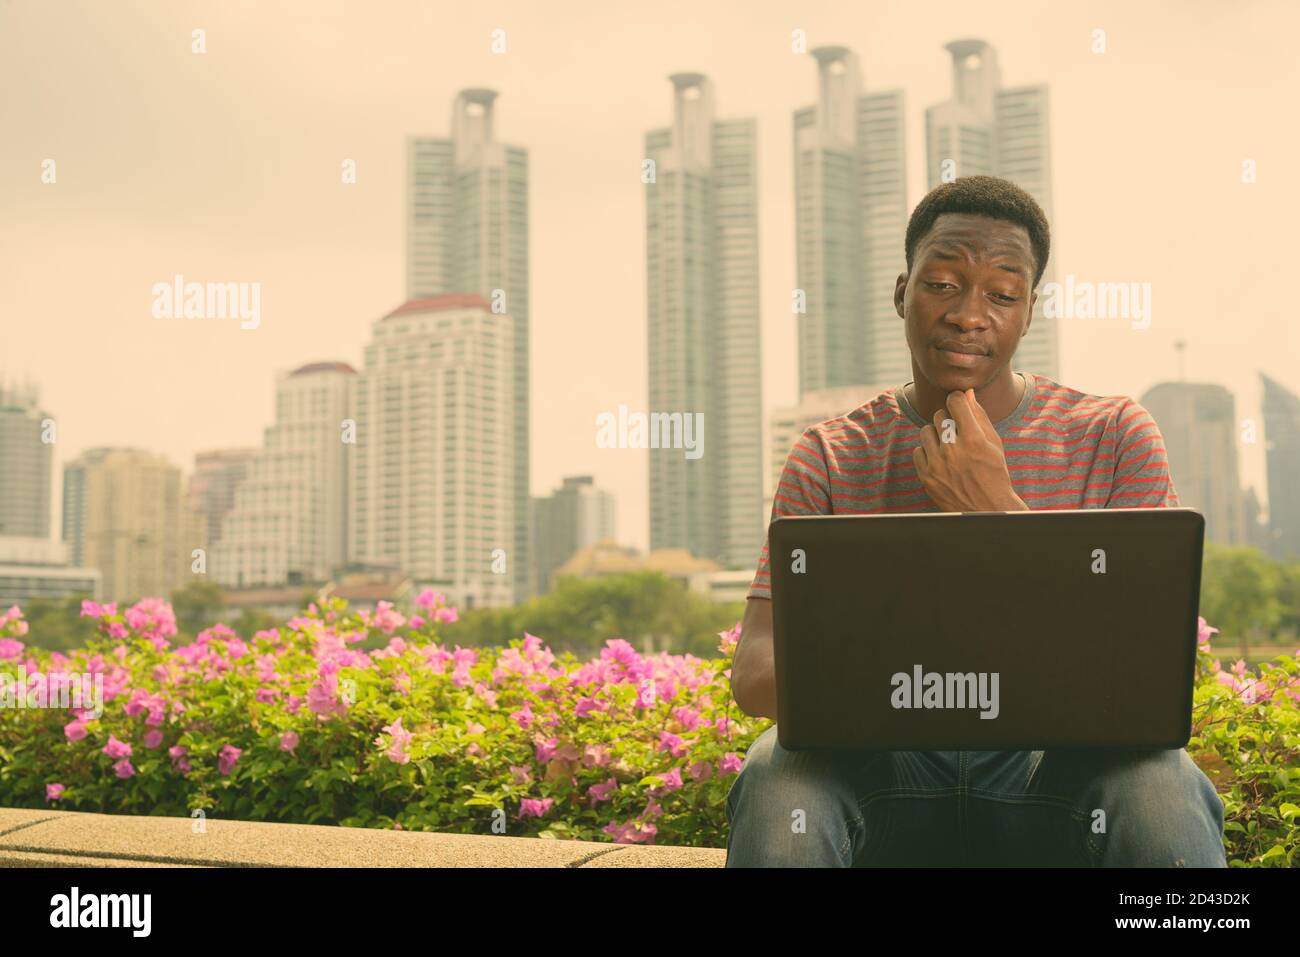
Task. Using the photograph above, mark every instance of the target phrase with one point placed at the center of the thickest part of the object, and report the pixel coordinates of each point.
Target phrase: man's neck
(999, 398)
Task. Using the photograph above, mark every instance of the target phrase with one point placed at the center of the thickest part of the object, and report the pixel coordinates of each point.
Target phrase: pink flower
(524, 716)
(520, 775)
(671, 743)
(154, 619)
(672, 782)
(322, 697)
(429, 599)
(687, 717)
(124, 769)
(53, 791)
(730, 763)
(10, 648)
(1203, 632)
(153, 739)
(729, 639)
(700, 771)
(396, 752)
(595, 756)
(544, 749)
(633, 832)
(601, 792)
(75, 730)
(447, 615)
(116, 748)
(267, 695)
(530, 807)
(181, 763)
(226, 760)
(288, 741)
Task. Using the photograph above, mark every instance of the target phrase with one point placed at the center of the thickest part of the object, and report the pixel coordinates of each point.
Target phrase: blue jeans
(954, 808)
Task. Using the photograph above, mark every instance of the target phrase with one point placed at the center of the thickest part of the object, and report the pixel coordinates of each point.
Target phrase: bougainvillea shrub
(297, 724)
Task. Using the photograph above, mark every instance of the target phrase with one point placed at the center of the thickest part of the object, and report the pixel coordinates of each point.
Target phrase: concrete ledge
(33, 838)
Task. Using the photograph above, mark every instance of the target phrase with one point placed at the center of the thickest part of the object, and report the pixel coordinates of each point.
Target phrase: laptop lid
(986, 630)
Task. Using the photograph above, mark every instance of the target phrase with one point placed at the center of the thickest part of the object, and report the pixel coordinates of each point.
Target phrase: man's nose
(969, 311)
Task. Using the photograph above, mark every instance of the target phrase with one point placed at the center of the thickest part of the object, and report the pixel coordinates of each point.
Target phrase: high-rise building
(431, 475)
(26, 464)
(467, 232)
(289, 520)
(575, 515)
(212, 486)
(850, 222)
(987, 130)
(703, 325)
(125, 513)
(1199, 426)
(1282, 462)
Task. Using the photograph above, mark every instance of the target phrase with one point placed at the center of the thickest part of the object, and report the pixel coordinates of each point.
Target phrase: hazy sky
(225, 166)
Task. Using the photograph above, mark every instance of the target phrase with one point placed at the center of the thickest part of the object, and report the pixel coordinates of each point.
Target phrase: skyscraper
(850, 221)
(26, 464)
(1199, 426)
(986, 130)
(217, 474)
(126, 514)
(1282, 462)
(575, 515)
(431, 489)
(289, 519)
(703, 326)
(467, 232)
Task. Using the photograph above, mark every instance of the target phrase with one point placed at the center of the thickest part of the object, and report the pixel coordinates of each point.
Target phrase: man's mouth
(961, 348)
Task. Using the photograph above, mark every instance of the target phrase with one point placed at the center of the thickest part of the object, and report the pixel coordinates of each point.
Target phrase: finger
(982, 416)
(943, 423)
(921, 462)
(959, 409)
(930, 443)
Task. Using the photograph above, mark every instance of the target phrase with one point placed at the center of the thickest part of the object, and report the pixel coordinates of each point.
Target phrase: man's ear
(900, 291)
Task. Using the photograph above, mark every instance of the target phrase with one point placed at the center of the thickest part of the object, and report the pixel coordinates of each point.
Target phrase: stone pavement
(37, 838)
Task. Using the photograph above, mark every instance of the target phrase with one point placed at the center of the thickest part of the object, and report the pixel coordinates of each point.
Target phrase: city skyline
(572, 301)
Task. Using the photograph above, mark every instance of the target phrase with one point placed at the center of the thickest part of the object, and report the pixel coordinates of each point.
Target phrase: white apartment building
(289, 521)
(432, 472)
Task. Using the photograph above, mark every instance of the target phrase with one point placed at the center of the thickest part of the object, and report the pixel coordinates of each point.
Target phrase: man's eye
(1004, 298)
(938, 285)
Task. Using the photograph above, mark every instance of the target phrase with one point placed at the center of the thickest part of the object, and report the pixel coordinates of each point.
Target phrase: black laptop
(986, 630)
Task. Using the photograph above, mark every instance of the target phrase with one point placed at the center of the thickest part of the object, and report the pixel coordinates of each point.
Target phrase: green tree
(1239, 592)
(55, 624)
(647, 609)
(198, 605)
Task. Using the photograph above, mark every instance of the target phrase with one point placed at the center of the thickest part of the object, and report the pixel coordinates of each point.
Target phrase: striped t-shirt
(1064, 449)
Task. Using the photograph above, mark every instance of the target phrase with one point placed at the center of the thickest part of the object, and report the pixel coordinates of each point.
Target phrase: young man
(976, 249)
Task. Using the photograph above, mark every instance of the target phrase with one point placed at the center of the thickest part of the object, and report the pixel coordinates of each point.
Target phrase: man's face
(967, 300)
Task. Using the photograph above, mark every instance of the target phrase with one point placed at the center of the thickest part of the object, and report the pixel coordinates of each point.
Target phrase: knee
(784, 786)
(1165, 804)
